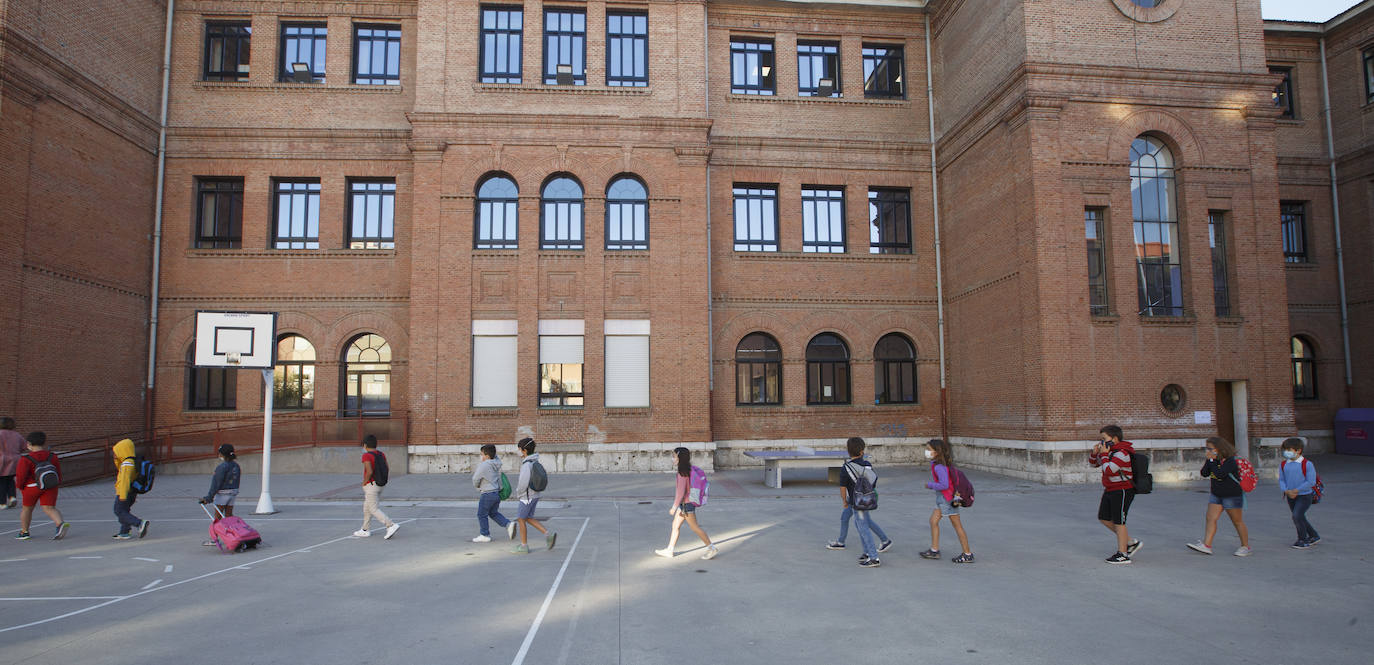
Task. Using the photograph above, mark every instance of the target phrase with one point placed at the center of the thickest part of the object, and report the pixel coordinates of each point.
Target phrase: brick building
(624, 226)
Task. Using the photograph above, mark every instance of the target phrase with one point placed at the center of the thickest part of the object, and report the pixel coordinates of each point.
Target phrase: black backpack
(865, 493)
(380, 470)
(1140, 472)
(539, 478)
(145, 472)
(45, 473)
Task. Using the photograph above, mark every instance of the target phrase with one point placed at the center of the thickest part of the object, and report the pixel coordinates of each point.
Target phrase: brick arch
(1173, 130)
(734, 330)
(358, 323)
(922, 336)
(1311, 338)
(600, 176)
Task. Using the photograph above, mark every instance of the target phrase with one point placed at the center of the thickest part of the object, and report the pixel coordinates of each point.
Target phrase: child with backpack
(685, 505)
(859, 489)
(1228, 494)
(1113, 456)
(124, 491)
(533, 480)
(375, 475)
(224, 485)
(489, 481)
(37, 474)
(885, 543)
(1299, 481)
(942, 481)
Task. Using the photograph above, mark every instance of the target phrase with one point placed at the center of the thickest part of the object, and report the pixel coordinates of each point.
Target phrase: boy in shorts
(1113, 456)
(529, 499)
(33, 495)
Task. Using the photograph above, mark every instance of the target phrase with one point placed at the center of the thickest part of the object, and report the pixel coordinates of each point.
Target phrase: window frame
(245, 45)
(1293, 226)
(635, 243)
(1150, 276)
(234, 237)
(510, 36)
(1218, 243)
(226, 378)
(1284, 98)
(285, 366)
(386, 78)
(307, 242)
(775, 365)
(768, 192)
(564, 399)
(1367, 57)
(812, 200)
(619, 39)
(1304, 369)
(511, 240)
(833, 58)
(881, 246)
(883, 366)
(768, 82)
(347, 376)
(317, 70)
(871, 64)
(550, 73)
(1099, 286)
(842, 392)
(580, 203)
(382, 241)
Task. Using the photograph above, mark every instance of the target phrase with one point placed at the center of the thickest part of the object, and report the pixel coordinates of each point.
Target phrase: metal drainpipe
(935, 210)
(157, 224)
(710, 255)
(1336, 222)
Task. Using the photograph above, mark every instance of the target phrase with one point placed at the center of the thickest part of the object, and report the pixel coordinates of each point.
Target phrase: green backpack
(505, 487)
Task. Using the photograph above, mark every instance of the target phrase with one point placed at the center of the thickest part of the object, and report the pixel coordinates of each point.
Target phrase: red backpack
(1247, 479)
(963, 489)
(1317, 486)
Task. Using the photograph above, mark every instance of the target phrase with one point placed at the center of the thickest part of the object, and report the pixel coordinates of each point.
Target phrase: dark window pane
(1293, 220)
(219, 215)
(302, 43)
(1221, 281)
(1159, 274)
(1097, 261)
(1283, 92)
(889, 221)
(817, 61)
(227, 50)
(883, 76)
(751, 67)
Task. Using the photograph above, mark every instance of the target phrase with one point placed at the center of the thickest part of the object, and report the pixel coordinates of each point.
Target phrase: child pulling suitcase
(232, 534)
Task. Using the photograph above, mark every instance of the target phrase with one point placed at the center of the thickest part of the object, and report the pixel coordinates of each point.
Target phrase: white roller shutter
(627, 370)
(560, 350)
(494, 371)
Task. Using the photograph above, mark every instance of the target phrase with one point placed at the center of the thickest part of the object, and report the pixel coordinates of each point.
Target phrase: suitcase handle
(207, 512)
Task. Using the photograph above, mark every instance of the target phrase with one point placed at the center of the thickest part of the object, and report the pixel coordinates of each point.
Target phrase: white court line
(12, 560)
(167, 569)
(62, 598)
(144, 558)
(152, 584)
(539, 618)
(85, 557)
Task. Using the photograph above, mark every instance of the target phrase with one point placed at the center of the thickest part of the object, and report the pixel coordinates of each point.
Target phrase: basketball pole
(265, 498)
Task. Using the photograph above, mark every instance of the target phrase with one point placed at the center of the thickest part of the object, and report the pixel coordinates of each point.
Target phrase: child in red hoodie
(1113, 456)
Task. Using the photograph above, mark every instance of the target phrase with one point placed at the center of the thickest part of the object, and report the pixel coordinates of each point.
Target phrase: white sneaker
(1199, 547)
(711, 552)
(1244, 551)
(665, 553)
(510, 529)
(391, 531)
(482, 539)
(361, 533)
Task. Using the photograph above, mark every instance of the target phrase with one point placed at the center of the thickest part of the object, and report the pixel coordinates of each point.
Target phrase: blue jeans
(127, 520)
(488, 506)
(1299, 507)
(844, 526)
(863, 521)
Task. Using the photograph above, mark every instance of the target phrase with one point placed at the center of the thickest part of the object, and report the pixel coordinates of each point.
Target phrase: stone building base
(1066, 462)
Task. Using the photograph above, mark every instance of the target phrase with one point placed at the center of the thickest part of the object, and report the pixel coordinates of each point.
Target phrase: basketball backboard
(243, 340)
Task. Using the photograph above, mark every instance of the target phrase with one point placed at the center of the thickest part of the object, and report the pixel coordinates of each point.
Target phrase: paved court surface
(1039, 593)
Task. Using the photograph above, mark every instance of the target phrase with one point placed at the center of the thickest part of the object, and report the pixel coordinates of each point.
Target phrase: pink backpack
(697, 494)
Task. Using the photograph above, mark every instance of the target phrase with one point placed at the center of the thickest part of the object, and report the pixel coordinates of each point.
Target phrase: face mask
(1290, 454)
(930, 454)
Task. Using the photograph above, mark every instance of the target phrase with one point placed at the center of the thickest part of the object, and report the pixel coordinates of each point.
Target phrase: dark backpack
(380, 470)
(145, 472)
(539, 478)
(963, 489)
(1140, 473)
(865, 493)
(45, 473)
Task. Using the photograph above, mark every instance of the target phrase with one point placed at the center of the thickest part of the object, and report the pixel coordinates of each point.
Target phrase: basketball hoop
(232, 358)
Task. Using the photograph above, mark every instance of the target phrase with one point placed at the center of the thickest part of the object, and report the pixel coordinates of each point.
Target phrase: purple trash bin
(1355, 432)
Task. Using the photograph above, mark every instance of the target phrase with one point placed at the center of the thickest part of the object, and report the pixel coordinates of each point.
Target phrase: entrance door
(1225, 420)
(1233, 414)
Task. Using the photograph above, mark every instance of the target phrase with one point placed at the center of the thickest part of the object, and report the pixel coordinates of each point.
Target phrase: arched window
(758, 370)
(210, 389)
(894, 371)
(1304, 369)
(366, 377)
(1155, 211)
(827, 370)
(496, 222)
(293, 377)
(560, 214)
(627, 214)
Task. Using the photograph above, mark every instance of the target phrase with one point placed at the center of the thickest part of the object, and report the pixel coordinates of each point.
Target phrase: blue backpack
(145, 472)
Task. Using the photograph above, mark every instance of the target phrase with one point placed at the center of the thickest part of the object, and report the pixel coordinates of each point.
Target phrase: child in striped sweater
(1113, 456)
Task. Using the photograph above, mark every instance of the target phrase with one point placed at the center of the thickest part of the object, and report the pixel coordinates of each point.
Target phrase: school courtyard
(1039, 592)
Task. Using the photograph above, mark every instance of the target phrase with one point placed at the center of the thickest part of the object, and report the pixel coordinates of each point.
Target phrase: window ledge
(627, 411)
(817, 256)
(809, 101)
(493, 411)
(895, 405)
(1185, 320)
(525, 88)
(1291, 121)
(292, 253)
(578, 254)
(1305, 266)
(556, 410)
(298, 87)
(1231, 321)
(1106, 319)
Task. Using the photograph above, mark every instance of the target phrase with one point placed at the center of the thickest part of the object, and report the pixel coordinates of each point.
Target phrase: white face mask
(1290, 454)
(930, 454)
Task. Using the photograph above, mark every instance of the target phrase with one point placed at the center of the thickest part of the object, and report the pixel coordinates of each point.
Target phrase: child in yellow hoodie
(124, 492)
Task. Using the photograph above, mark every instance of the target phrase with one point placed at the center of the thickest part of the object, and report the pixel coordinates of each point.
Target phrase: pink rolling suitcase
(232, 534)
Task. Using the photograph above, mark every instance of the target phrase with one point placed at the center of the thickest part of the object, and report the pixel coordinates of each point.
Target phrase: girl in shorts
(1224, 471)
(941, 459)
(224, 485)
(683, 510)
(529, 499)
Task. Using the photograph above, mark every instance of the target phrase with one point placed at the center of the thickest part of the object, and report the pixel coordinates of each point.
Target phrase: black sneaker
(966, 557)
(930, 554)
(887, 545)
(1118, 559)
(834, 545)
(1131, 548)
(1314, 541)
(870, 563)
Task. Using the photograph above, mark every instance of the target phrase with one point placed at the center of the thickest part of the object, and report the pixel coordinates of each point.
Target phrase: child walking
(529, 499)
(857, 467)
(941, 460)
(487, 480)
(46, 498)
(124, 492)
(846, 515)
(1224, 471)
(684, 510)
(1113, 456)
(1297, 476)
(224, 485)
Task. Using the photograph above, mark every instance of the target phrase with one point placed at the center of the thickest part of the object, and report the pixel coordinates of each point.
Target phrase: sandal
(930, 554)
(963, 558)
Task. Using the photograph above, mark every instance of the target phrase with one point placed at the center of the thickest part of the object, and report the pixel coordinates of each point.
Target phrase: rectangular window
(296, 214)
(302, 44)
(372, 214)
(565, 45)
(219, 213)
(823, 220)
(502, 30)
(817, 61)
(211, 389)
(560, 363)
(751, 67)
(627, 49)
(1283, 92)
(1293, 218)
(883, 71)
(377, 54)
(227, 47)
(1369, 75)
(756, 218)
(1221, 269)
(889, 221)
(1094, 229)
(627, 363)
(495, 369)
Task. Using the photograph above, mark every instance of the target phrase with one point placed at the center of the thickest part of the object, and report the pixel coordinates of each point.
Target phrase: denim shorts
(686, 508)
(946, 508)
(1227, 502)
(526, 509)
